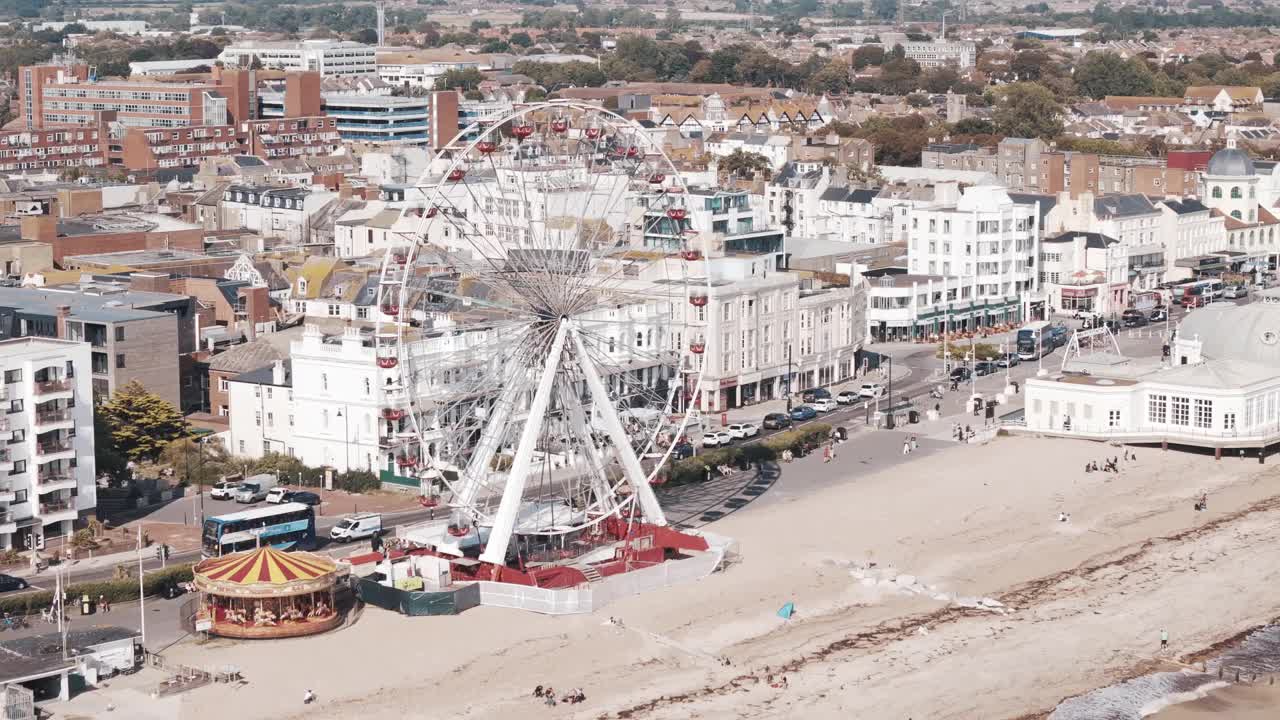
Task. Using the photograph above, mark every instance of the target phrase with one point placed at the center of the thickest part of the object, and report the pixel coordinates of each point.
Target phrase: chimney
(277, 373)
(149, 282)
(39, 228)
(64, 312)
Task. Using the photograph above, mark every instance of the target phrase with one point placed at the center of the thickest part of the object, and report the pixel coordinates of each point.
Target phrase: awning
(1079, 292)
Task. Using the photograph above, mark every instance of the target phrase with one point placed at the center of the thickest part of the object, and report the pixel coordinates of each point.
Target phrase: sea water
(1143, 696)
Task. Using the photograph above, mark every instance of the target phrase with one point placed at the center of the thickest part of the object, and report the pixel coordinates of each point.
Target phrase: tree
(1101, 74)
(885, 9)
(1029, 64)
(899, 76)
(1027, 110)
(744, 165)
(140, 424)
(520, 39)
(199, 463)
(368, 36)
(463, 79)
(830, 80)
(867, 56)
(940, 80)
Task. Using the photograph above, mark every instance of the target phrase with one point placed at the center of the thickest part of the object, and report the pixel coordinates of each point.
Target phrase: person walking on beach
(906, 446)
(1164, 639)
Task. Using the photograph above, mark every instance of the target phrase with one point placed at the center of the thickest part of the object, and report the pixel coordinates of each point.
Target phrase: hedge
(694, 469)
(116, 591)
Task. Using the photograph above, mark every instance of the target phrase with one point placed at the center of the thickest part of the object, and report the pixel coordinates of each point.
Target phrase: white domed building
(1220, 387)
(1233, 187)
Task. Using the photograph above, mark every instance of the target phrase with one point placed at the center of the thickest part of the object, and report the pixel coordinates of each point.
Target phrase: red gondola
(392, 413)
(522, 131)
(691, 255)
(407, 461)
(633, 152)
(387, 362)
(677, 213)
(399, 258)
(559, 126)
(657, 179)
(486, 146)
(433, 211)
(390, 309)
(698, 300)
(593, 133)
(458, 531)
(697, 348)
(456, 174)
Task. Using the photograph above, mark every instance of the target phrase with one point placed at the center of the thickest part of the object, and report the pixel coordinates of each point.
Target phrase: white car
(277, 494)
(848, 397)
(824, 404)
(871, 390)
(224, 490)
(716, 439)
(743, 430)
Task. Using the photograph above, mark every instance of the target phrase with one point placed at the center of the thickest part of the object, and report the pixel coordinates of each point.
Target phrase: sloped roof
(1122, 205)
(247, 356)
(315, 270)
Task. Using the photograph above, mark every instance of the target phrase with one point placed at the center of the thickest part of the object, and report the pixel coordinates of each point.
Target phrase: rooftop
(92, 302)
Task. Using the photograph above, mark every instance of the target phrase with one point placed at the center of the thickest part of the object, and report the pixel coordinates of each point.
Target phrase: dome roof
(1232, 162)
(1236, 332)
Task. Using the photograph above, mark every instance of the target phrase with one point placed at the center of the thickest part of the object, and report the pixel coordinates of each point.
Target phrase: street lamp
(346, 436)
(888, 423)
(788, 379)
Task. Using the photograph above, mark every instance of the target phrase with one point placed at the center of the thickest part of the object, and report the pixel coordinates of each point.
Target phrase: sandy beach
(1071, 606)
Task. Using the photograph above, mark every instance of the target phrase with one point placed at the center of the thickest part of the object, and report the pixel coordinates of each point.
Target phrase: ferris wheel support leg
(504, 522)
(580, 428)
(490, 438)
(613, 426)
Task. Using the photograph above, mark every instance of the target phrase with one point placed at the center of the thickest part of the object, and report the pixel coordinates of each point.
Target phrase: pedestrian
(102, 604)
(906, 446)
(915, 444)
(826, 454)
(1164, 639)
(308, 697)
(708, 469)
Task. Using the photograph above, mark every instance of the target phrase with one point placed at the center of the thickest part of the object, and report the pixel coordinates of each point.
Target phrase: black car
(775, 421)
(9, 582)
(960, 374)
(984, 367)
(304, 497)
(1134, 319)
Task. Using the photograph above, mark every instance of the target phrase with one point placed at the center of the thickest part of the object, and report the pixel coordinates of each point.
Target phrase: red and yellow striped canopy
(266, 565)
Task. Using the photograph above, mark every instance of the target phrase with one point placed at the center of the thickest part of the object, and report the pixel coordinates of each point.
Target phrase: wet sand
(1238, 702)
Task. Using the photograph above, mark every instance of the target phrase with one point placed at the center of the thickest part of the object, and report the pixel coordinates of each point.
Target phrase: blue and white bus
(1035, 340)
(287, 526)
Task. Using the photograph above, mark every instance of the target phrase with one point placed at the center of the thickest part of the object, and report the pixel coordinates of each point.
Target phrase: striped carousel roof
(266, 565)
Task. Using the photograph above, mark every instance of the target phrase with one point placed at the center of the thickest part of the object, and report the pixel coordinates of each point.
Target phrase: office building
(327, 57)
(430, 120)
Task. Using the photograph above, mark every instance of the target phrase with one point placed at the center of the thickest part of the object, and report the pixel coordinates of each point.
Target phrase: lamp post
(788, 379)
(346, 436)
(888, 423)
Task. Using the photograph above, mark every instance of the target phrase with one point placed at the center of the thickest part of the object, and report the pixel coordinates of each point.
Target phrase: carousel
(266, 593)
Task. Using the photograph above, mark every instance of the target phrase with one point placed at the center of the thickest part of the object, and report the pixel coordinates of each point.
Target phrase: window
(1181, 411)
(1204, 413)
(324, 382)
(20, 497)
(271, 419)
(19, 436)
(119, 333)
(1158, 409)
(368, 387)
(1113, 418)
(241, 446)
(12, 376)
(15, 406)
(257, 419)
(19, 467)
(1217, 192)
(222, 384)
(119, 360)
(1228, 421)
(1235, 192)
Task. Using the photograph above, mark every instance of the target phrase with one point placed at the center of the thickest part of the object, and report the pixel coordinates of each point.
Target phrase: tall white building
(983, 237)
(48, 481)
(328, 57)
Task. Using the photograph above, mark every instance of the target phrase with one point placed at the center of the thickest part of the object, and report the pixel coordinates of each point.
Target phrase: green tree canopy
(1106, 73)
(140, 424)
(744, 164)
(1027, 110)
(198, 462)
(463, 79)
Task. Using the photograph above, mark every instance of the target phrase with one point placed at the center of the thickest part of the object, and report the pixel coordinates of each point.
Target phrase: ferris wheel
(541, 335)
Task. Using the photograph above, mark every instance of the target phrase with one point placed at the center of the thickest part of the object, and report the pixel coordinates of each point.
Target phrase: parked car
(682, 450)
(803, 412)
(1235, 291)
(305, 497)
(1009, 360)
(985, 367)
(848, 397)
(224, 490)
(961, 373)
(1061, 335)
(716, 438)
(871, 390)
(825, 404)
(1134, 318)
(277, 495)
(814, 394)
(9, 582)
(1158, 315)
(743, 430)
(776, 421)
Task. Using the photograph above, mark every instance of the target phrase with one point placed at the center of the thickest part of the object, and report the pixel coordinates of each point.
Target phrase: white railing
(1261, 435)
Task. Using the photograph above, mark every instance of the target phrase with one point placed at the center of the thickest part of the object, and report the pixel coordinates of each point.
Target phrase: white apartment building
(1088, 272)
(274, 212)
(955, 54)
(980, 235)
(722, 214)
(261, 411)
(421, 74)
(328, 57)
(48, 480)
(1189, 230)
(909, 307)
(775, 148)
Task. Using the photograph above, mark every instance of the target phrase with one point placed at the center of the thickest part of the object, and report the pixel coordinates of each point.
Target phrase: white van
(355, 527)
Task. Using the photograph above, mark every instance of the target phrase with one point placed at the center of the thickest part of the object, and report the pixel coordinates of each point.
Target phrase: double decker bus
(1201, 292)
(287, 526)
(1035, 340)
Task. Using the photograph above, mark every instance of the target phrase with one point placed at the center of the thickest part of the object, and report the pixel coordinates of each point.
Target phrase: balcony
(57, 511)
(54, 450)
(49, 419)
(49, 387)
(8, 523)
(6, 465)
(55, 480)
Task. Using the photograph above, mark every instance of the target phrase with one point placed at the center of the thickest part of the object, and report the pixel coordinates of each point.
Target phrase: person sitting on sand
(537, 692)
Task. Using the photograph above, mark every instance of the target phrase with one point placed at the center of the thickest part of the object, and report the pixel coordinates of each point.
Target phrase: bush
(115, 591)
(959, 351)
(358, 481)
(694, 469)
